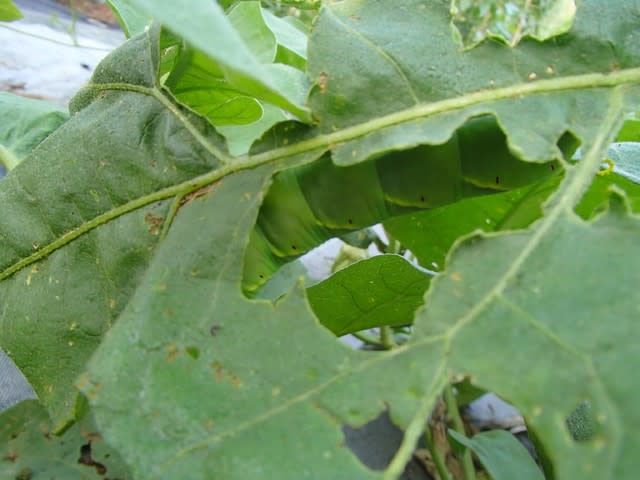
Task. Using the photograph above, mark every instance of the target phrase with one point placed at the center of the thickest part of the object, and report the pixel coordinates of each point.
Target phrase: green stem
(363, 337)
(458, 426)
(323, 142)
(435, 455)
(386, 337)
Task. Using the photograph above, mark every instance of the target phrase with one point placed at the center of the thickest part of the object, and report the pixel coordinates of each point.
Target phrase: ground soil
(92, 9)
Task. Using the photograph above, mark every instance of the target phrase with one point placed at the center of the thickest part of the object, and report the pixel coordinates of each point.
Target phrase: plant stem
(458, 426)
(366, 338)
(435, 454)
(386, 337)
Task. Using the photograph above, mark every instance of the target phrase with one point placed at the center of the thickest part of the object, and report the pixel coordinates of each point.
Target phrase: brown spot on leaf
(85, 459)
(456, 277)
(172, 352)
(155, 223)
(218, 371)
(323, 81)
(12, 457)
(24, 474)
(199, 193)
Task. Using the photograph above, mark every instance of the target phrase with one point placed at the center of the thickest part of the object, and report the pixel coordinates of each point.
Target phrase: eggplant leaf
(125, 233)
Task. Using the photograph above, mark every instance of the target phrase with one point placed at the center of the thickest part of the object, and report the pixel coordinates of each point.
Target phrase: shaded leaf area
(71, 255)
(232, 52)
(383, 290)
(26, 123)
(375, 58)
(503, 456)
(8, 11)
(300, 210)
(431, 234)
(510, 21)
(31, 451)
(287, 384)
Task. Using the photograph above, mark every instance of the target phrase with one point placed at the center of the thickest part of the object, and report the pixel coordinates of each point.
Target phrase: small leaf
(504, 457)
(25, 124)
(131, 20)
(8, 11)
(383, 290)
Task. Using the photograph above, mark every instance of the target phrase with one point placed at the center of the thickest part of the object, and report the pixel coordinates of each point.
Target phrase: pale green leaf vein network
(379, 51)
(364, 365)
(568, 195)
(576, 82)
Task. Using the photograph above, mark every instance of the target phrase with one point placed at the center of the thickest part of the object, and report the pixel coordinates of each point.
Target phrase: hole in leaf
(85, 459)
(580, 422)
(375, 443)
(510, 22)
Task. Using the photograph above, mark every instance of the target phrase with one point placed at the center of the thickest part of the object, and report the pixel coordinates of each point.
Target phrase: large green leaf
(214, 382)
(26, 122)
(81, 217)
(31, 452)
(206, 27)
(436, 87)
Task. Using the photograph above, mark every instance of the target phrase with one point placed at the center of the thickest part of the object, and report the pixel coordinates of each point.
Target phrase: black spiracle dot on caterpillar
(497, 180)
(553, 167)
(293, 247)
(350, 221)
(422, 198)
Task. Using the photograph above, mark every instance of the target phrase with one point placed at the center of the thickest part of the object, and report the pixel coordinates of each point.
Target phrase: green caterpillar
(308, 205)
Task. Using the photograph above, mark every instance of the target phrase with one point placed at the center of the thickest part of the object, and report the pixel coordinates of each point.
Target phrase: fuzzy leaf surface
(78, 224)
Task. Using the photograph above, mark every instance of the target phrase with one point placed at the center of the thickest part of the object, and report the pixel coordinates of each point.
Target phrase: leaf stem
(435, 454)
(458, 426)
(368, 339)
(386, 337)
(415, 428)
(322, 142)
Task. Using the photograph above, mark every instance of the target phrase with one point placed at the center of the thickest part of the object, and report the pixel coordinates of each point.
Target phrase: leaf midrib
(323, 141)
